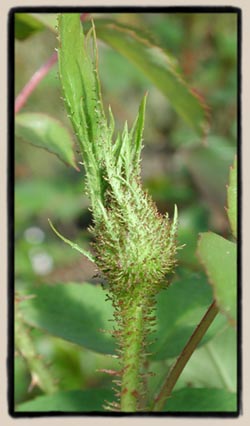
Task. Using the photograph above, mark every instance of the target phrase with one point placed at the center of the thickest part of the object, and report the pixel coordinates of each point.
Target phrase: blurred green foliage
(177, 167)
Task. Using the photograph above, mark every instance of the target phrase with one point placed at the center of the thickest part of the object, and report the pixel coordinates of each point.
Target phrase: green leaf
(209, 168)
(136, 135)
(157, 66)
(81, 90)
(42, 197)
(180, 308)
(74, 312)
(232, 198)
(77, 312)
(218, 257)
(201, 400)
(26, 25)
(192, 220)
(79, 80)
(45, 132)
(69, 401)
(214, 365)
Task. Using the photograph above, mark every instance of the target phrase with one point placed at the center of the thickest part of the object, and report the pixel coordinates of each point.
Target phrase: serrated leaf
(180, 308)
(26, 25)
(218, 256)
(80, 84)
(74, 312)
(79, 80)
(232, 198)
(48, 133)
(201, 400)
(157, 66)
(68, 401)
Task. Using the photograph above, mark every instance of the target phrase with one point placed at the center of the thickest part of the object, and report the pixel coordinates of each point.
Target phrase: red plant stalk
(33, 82)
(25, 93)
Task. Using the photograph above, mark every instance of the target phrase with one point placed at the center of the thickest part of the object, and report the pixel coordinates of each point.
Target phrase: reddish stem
(183, 358)
(25, 93)
(33, 82)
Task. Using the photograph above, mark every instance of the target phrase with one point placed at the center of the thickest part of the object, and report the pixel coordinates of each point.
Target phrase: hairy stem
(131, 360)
(183, 358)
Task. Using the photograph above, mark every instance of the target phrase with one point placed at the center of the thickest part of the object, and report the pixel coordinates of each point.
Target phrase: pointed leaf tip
(73, 245)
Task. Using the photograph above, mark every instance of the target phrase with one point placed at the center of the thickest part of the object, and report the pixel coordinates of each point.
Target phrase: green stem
(183, 358)
(40, 374)
(133, 336)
